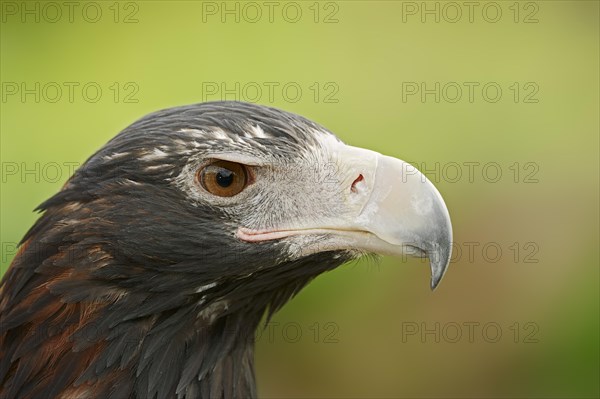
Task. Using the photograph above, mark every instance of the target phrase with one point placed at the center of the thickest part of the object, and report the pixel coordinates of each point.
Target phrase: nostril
(355, 183)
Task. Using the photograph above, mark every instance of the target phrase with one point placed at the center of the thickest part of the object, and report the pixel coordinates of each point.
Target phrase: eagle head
(148, 273)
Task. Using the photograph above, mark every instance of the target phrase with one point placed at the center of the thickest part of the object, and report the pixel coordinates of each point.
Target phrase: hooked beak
(392, 209)
(408, 215)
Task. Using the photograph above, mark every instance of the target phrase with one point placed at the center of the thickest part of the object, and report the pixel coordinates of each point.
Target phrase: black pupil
(225, 177)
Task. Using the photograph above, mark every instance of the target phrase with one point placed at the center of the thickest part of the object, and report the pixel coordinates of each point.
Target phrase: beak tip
(439, 262)
(436, 278)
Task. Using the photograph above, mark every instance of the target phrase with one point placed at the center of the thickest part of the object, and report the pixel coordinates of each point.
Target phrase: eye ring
(223, 178)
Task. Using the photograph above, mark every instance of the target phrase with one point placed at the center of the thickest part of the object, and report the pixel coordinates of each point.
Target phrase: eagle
(149, 272)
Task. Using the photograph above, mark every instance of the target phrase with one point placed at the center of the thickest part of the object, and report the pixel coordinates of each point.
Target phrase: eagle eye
(223, 178)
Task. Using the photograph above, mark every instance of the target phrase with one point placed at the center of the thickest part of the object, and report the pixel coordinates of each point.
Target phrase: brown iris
(223, 178)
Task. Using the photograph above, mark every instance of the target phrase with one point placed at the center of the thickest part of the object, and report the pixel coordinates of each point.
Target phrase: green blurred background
(522, 322)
